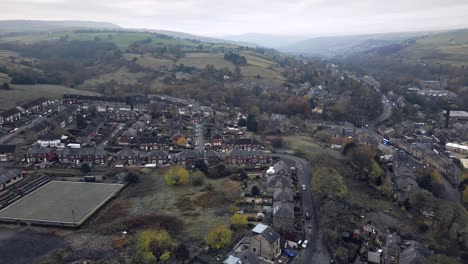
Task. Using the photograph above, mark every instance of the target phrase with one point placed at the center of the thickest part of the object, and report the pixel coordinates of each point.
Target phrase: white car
(304, 187)
(304, 244)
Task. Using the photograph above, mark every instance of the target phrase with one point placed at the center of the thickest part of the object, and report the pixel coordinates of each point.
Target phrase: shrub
(177, 175)
(219, 237)
(198, 178)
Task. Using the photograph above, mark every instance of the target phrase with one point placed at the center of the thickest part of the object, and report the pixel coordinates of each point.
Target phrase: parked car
(307, 216)
(304, 244)
(304, 187)
(288, 253)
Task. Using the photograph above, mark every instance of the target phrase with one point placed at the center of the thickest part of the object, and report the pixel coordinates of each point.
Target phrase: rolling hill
(342, 45)
(9, 26)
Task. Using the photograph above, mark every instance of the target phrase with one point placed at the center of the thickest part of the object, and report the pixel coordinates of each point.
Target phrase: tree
(85, 168)
(243, 176)
(239, 220)
(198, 178)
(182, 253)
(362, 158)
(201, 165)
(181, 141)
(153, 245)
(132, 177)
(255, 190)
(252, 123)
(177, 175)
(328, 182)
(242, 122)
(442, 259)
(6, 86)
(219, 237)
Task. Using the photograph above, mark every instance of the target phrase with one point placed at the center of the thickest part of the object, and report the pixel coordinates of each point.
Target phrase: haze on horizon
(273, 17)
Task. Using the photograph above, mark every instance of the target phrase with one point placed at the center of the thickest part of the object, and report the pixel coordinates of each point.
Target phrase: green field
(121, 39)
(200, 60)
(24, 93)
(448, 47)
(148, 61)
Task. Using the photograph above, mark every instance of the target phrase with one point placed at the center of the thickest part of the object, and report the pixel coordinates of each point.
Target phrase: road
(200, 141)
(10, 136)
(316, 252)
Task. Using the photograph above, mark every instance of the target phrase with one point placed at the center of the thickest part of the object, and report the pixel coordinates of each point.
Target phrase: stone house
(265, 242)
(8, 153)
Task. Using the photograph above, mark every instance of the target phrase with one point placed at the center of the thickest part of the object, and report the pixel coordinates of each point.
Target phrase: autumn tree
(239, 220)
(177, 175)
(153, 246)
(328, 182)
(219, 237)
(181, 141)
(361, 157)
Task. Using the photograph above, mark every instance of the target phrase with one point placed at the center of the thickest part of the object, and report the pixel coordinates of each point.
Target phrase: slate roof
(39, 127)
(38, 150)
(198, 154)
(159, 140)
(88, 130)
(281, 167)
(131, 132)
(273, 180)
(7, 148)
(6, 175)
(245, 153)
(283, 194)
(82, 152)
(157, 153)
(33, 103)
(48, 137)
(127, 153)
(267, 232)
(283, 210)
(9, 112)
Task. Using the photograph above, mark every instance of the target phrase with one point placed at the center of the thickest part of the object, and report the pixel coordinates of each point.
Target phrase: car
(307, 216)
(304, 244)
(288, 253)
(304, 187)
(299, 243)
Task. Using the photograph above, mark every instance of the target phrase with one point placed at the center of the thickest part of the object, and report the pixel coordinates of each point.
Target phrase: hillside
(343, 45)
(450, 47)
(8, 26)
(122, 61)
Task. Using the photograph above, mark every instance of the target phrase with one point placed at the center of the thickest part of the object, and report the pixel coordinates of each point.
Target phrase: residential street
(10, 136)
(200, 141)
(316, 251)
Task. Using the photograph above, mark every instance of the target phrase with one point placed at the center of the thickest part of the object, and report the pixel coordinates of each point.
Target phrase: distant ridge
(10, 26)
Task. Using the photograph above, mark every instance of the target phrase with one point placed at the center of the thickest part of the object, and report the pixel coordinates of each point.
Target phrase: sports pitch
(60, 203)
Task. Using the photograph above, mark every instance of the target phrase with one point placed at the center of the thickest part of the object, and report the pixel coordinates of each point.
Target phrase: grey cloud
(312, 17)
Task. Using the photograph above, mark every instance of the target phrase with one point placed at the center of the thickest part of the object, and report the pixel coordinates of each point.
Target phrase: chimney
(447, 118)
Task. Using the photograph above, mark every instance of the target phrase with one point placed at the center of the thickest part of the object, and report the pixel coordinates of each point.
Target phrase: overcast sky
(282, 17)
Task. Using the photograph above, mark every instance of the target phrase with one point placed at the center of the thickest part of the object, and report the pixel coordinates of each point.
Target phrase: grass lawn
(24, 93)
(312, 149)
